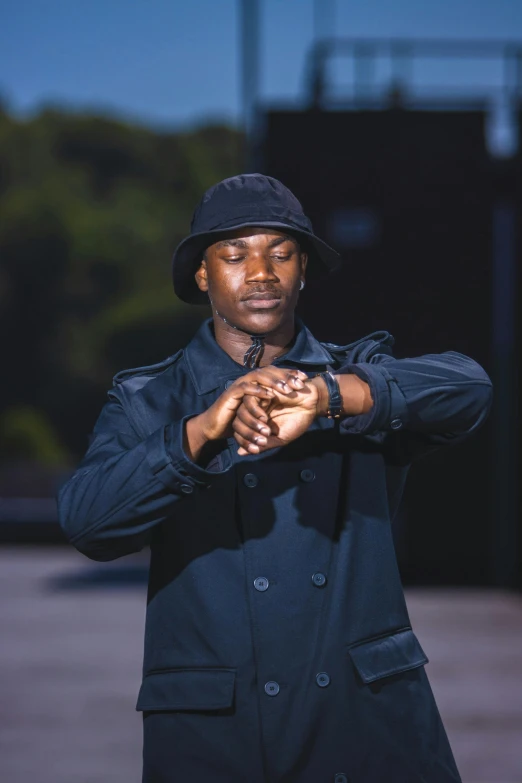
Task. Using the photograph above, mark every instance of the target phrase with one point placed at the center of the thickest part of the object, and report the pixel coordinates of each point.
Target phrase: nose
(260, 269)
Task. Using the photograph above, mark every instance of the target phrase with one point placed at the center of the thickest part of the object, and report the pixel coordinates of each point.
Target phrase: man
(264, 468)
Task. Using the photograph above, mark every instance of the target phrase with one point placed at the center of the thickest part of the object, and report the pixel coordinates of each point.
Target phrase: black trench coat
(278, 647)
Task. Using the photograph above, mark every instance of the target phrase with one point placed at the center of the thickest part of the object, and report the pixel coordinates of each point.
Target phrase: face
(253, 278)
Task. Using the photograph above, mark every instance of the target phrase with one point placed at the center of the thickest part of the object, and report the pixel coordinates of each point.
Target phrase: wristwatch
(335, 401)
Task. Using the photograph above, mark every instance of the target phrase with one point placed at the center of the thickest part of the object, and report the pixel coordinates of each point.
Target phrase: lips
(262, 300)
(263, 295)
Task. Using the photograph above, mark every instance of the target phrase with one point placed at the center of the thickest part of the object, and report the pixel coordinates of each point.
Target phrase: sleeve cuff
(171, 465)
(389, 410)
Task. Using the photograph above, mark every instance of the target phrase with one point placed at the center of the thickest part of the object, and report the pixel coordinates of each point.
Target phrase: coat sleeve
(428, 401)
(125, 485)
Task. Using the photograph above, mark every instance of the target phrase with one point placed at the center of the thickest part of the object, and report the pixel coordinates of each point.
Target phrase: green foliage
(26, 434)
(91, 210)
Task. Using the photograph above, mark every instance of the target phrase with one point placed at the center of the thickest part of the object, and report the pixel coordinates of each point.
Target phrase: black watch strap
(335, 401)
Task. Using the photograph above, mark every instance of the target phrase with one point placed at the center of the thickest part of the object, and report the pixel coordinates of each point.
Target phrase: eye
(232, 259)
(281, 257)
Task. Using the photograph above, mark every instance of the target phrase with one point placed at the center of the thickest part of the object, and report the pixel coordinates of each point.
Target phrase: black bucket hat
(237, 202)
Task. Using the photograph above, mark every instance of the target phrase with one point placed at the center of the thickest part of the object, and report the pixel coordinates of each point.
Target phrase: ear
(304, 262)
(201, 276)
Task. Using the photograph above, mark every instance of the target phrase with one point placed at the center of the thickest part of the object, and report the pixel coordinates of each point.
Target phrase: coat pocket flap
(187, 689)
(387, 655)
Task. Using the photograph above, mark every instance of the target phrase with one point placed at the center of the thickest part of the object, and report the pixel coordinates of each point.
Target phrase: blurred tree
(26, 434)
(91, 211)
(34, 252)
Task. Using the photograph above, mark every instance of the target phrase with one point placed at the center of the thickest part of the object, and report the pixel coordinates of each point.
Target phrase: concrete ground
(70, 661)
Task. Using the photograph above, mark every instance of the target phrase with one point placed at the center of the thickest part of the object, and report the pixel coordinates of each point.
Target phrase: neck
(236, 342)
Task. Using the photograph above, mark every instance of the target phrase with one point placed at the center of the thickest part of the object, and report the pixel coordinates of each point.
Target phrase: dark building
(428, 222)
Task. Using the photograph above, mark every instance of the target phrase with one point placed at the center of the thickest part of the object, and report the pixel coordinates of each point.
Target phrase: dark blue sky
(171, 62)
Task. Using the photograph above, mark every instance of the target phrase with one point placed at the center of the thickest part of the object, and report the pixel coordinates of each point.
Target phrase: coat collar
(209, 365)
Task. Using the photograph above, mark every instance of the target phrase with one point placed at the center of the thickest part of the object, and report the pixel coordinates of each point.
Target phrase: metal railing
(401, 58)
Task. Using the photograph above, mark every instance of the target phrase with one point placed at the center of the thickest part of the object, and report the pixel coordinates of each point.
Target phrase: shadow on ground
(119, 576)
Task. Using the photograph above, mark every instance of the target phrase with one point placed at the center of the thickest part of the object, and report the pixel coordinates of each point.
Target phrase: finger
(251, 387)
(255, 408)
(251, 420)
(248, 434)
(239, 388)
(297, 379)
(294, 380)
(250, 450)
(276, 382)
(248, 447)
(278, 378)
(245, 447)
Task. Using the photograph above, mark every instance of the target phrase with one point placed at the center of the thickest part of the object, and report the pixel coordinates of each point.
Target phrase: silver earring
(301, 285)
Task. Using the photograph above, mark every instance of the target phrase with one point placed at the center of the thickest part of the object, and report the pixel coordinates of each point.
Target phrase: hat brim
(322, 258)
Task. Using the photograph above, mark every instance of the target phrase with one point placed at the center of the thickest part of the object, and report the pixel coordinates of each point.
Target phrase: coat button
(261, 583)
(340, 777)
(229, 383)
(250, 480)
(272, 688)
(307, 475)
(322, 679)
(396, 424)
(186, 489)
(319, 579)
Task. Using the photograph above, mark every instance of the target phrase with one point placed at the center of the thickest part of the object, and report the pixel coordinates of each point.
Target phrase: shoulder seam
(383, 337)
(146, 369)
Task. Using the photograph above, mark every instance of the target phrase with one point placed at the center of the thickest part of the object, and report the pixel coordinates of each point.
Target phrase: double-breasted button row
(272, 687)
(251, 480)
(261, 583)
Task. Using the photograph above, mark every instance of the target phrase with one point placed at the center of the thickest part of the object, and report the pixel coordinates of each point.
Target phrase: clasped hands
(267, 408)
(278, 409)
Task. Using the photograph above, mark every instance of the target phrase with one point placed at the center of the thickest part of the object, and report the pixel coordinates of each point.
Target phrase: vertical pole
(517, 103)
(504, 414)
(249, 48)
(323, 28)
(324, 19)
(363, 63)
(401, 56)
(506, 122)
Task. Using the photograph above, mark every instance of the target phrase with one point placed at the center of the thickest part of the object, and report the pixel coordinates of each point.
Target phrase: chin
(265, 321)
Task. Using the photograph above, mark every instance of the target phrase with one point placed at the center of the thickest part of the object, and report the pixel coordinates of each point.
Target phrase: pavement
(70, 667)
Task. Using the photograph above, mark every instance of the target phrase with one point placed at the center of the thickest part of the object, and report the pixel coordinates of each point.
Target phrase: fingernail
(264, 430)
(260, 440)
